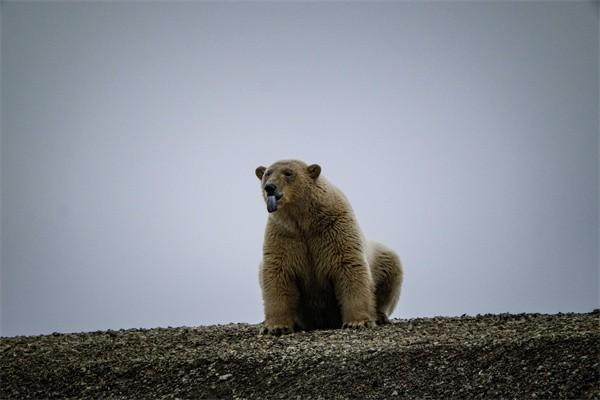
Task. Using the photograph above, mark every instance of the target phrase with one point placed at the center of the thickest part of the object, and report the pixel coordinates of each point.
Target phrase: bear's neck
(316, 209)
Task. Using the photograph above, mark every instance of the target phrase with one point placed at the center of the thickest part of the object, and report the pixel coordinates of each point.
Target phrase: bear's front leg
(355, 292)
(280, 298)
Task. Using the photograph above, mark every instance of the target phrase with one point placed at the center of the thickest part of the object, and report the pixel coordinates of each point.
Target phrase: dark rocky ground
(491, 356)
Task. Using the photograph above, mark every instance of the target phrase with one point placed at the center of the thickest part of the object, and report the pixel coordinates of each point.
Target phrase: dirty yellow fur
(318, 271)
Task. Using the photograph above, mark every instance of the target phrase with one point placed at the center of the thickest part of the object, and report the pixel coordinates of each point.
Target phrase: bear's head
(286, 182)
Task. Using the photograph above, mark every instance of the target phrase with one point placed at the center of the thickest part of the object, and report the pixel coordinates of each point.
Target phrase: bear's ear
(260, 171)
(314, 171)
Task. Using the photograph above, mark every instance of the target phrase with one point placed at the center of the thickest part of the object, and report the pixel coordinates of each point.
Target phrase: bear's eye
(288, 173)
(268, 173)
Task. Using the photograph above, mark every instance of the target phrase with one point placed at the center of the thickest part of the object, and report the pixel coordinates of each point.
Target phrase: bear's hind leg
(387, 274)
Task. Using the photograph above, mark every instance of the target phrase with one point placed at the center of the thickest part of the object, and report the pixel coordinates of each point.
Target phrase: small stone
(395, 393)
(225, 377)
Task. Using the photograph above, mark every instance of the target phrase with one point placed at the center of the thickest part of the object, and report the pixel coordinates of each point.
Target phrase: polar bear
(318, 271)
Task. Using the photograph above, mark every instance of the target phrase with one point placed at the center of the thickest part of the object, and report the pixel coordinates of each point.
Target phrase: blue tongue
(271, 204)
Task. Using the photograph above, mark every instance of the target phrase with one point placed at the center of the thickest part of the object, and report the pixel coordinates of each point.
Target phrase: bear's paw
(358, 324)
(276, 330)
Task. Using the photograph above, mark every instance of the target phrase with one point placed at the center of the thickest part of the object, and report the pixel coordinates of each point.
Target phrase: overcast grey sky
(465, 135)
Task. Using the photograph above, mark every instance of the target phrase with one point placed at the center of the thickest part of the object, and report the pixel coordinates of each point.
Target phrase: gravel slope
(489, 356)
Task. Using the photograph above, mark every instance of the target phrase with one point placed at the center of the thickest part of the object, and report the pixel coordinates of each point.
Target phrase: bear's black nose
(270, 189)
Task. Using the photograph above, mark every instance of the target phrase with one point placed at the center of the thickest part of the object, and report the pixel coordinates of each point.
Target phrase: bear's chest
(313, 284)
(314, 278)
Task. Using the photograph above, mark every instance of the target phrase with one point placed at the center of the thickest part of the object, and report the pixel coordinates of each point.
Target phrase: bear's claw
(358, 324)
(275, 330)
